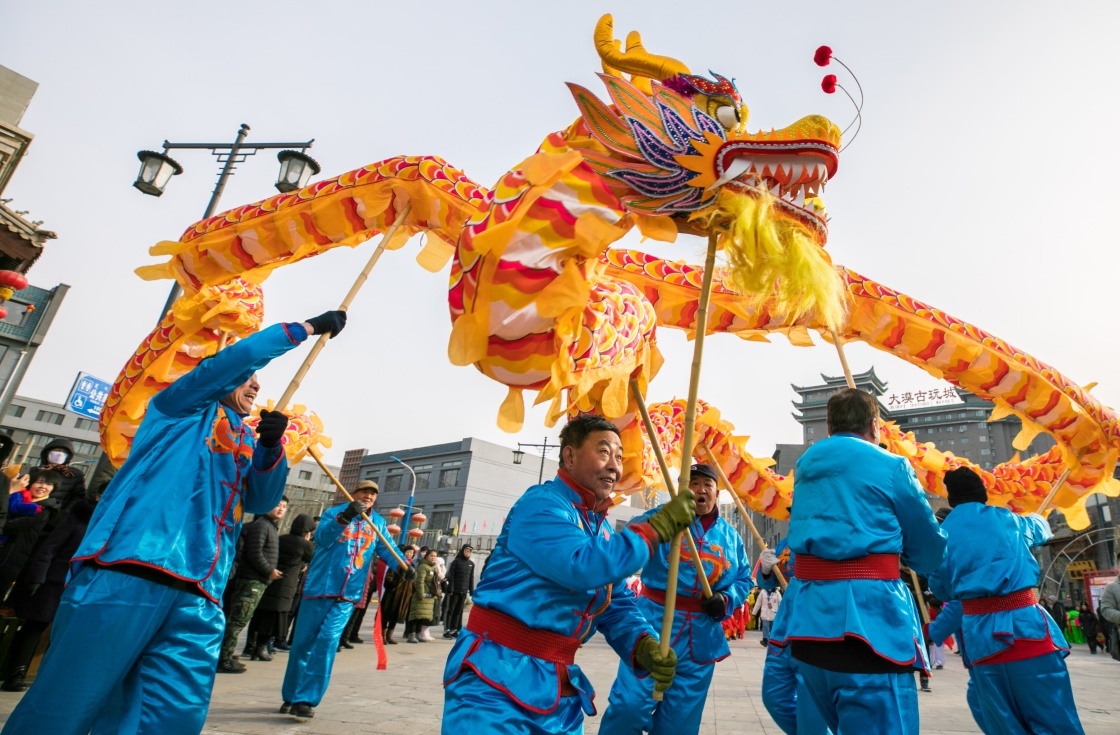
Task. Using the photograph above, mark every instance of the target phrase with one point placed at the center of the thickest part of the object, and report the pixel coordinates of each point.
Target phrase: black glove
(409, 574)
(715, 607)
(328, 321)
(271, 428)
(351, 512)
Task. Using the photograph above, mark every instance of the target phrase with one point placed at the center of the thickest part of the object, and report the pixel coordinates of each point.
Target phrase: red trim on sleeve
(648, 534)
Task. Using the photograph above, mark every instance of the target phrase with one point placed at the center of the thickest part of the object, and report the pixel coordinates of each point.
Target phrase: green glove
(674, 516)
(660, 668)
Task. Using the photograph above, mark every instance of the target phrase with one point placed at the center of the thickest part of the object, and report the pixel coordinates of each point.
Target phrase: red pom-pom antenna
(823, 57)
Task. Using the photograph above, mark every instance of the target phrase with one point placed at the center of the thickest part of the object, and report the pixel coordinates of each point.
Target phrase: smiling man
(554, 578)
(698, 638)
(135, 641)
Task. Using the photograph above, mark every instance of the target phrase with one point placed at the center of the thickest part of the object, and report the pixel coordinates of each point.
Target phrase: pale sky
(979, 184)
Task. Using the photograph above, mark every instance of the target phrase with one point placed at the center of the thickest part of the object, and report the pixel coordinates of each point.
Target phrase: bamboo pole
(223, 339)
(358, 283)
(314, 452)
(687, 441)
(742, 510)
(922, 607)
(1054, 490)
(697, 562)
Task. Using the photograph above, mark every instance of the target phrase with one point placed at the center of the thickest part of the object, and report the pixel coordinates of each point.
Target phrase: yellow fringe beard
(775, 262)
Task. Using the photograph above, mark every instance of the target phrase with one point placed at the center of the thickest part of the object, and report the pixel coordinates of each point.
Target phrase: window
(985, 452)
(928, 419)
(86, 448)
(449, 477)
(86, 424)
(962, 415)
(978, 414)
(962, 428)
(809, 430)
(423, 480)
(49, 417)
(983, 438)
(393, 483)
(964, 440)
(15, 411)
(440, 521)
(305, 474)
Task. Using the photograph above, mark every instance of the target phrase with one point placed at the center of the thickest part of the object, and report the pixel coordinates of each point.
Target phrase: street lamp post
(411, 495)
(519, 454)
(156, 170)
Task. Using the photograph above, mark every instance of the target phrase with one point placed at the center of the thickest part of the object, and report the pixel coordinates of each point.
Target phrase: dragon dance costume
(555, 578)
(857, 512)
(697, 639)
(337, 578)
(1016, 650)
(784, 693)
(135, 642)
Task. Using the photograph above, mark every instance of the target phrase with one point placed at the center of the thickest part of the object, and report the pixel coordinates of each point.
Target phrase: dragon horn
(635, 60)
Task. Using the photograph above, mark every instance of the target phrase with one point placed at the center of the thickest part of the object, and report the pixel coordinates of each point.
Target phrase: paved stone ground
(408, 698)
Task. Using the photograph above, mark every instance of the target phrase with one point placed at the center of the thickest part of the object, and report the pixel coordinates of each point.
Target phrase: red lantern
(396, 513)
(393, 529)
(415, 533)
(3, 313)
(13, 280)
(419, 518)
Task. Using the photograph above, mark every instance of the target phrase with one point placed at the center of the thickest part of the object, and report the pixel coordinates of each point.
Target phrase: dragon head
(672, 142)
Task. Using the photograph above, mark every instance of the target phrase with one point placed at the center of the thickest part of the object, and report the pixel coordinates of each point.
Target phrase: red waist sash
(1000, 603)
(515, 635)
(873, 566)
(688, 604)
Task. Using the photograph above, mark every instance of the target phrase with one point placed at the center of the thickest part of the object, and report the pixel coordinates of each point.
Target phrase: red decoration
(396, 513)
(393, 529)
(823, 56)
(3, 313)
(415, 533)
(828, 84)
(13, 280)
(419, 517)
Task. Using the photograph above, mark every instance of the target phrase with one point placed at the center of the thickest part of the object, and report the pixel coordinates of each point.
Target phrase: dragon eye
(728, 116)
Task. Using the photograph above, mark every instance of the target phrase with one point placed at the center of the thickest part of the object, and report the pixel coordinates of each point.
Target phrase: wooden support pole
(358, 283)
(726, 483)
(392, 547)
(687, 440)
(651, 433)
(1054, 490)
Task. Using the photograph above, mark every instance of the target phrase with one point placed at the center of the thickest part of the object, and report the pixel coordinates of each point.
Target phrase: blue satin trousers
(786, 698)
(127, 655)
(868, 704)
(314, 645)
(631, 709)
(470, 705)
(1029, 697)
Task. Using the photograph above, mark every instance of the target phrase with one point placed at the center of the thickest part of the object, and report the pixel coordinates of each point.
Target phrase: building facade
(32, 424)
(309, 490)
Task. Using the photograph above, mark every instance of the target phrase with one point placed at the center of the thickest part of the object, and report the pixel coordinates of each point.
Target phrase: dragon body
(541, 302)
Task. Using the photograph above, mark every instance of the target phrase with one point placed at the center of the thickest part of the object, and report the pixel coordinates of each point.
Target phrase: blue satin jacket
(989, 554)
(725, 560)
(343, 556)
(851, 499)
(556, 566)
(194, 469)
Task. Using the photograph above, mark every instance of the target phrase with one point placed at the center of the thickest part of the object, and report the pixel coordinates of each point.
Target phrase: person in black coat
(257, 567)
(56, 456)
(396, 597)
(461, 576)
(1089, 626)
(36, 597)
(271, 618)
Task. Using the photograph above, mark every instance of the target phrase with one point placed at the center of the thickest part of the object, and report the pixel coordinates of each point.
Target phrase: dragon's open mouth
(793, 172)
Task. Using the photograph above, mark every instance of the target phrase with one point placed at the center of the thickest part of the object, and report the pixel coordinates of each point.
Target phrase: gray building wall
(29, 419)
(308, 490)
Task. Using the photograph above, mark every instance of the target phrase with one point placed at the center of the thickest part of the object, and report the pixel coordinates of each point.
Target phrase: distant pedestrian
(766, 608)
(397, 597)
(270, 621)
(461, 576)
(1089, 626)
(426, 595)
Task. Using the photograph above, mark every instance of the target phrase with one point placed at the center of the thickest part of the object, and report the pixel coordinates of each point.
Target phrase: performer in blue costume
(1017, 651)
(339, 576)
(853, 627)
(698, 638)
(555, 577)
(784, 693)
(134, 645)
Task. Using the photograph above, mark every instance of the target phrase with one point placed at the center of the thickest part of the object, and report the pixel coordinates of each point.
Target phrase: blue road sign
(88, 395)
